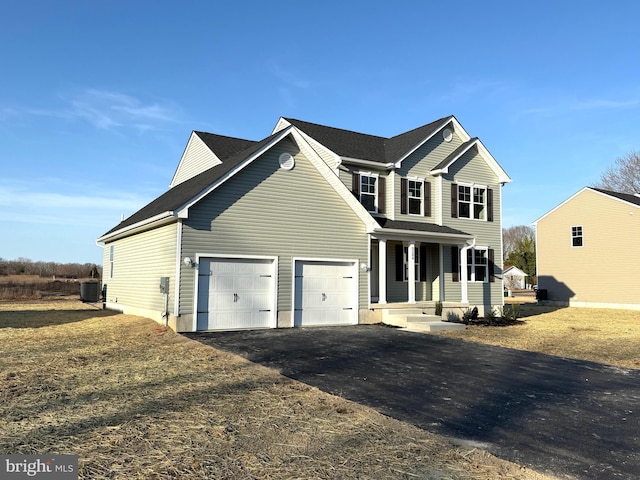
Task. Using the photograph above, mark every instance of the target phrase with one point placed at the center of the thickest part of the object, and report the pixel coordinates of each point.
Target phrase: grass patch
(599, 335)
(137, 401)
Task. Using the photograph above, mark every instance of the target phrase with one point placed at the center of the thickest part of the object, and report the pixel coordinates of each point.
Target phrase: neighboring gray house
(313, 225)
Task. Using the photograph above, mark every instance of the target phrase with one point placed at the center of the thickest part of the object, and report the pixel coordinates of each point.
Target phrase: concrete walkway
(569, 418)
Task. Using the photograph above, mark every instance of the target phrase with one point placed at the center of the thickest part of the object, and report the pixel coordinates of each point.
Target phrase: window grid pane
(464, 201)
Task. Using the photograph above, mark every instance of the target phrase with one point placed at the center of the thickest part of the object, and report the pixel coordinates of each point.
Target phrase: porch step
(432, 326)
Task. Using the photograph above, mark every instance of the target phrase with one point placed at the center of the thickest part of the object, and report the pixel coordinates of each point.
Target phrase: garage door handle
(235, 298)
(324, 297)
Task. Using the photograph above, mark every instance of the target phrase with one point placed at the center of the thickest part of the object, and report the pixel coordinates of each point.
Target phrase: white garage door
(235, 293)
(325, 293)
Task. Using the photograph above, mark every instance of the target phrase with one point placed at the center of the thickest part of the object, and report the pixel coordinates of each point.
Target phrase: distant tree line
(25, 266)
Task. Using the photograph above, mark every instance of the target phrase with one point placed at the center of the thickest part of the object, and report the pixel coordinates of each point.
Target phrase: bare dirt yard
(137, 401)
(598, 335)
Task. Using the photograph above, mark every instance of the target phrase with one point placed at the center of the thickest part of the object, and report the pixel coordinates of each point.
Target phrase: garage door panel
(235, 293)
(325, 293)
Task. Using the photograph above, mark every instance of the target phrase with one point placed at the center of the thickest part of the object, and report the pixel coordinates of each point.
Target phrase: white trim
(333, 179)
(176, 295)
(367, 163)
(484, 153)
(274, 269)
(399, 234)
(441, 281)
(183, 210)
(440, 212)
(422, 196)
(355, 294)
(472, 203)
(578, 193)
(158, 220)
(581, 236)
(362, 173)
(215, 160)
(457, 129)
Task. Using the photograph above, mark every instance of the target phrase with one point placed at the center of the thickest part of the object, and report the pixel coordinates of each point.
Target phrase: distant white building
(514, 278)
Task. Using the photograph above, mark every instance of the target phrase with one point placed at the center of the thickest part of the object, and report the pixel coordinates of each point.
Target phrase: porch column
(382, 271)
(463, 271)
(411, 273)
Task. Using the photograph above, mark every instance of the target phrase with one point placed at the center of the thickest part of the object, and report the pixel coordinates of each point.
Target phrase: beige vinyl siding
(419, 164)
(472, 168)
(327, 156)
(139, 262)
(606, 268)
(266, 211)
(196, 159)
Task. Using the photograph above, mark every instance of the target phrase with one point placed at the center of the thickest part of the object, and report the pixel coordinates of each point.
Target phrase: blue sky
(98, 99)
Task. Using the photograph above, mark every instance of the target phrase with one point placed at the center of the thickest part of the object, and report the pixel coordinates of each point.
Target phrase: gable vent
(287, 162)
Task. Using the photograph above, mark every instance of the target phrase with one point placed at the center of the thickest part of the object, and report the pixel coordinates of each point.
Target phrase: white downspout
(464, 291)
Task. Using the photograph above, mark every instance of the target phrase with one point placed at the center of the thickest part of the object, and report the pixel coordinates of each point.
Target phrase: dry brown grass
(599, 335)
(135, 401)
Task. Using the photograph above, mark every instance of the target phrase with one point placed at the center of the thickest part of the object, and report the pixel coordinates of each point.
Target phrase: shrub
(439, 308)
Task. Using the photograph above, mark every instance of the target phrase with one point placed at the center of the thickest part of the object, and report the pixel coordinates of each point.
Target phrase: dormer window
(414, 197)
(369, 189)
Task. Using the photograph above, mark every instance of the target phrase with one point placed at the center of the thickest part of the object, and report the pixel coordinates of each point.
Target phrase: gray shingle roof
(622, 196)
(179, 195)
(418, 226)
(347, 143)
(232, 151)
(454, 154)
(224, 147)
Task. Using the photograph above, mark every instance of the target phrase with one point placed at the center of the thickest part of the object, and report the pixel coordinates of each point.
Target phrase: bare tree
(623, 176)
(513, 237)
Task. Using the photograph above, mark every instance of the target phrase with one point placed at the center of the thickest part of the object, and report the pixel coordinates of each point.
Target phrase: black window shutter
(490, 205)
(399, 263)
(423, 263)
(491, 266)
(382, 193)
(355, 185)
(455, 264)
(427, 199)
(454, 200)
(404, 183)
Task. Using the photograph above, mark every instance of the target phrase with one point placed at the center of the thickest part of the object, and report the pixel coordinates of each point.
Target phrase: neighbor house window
(111, 248)
(576, 236)
(471, 201)
(368, 192)
(477, 264)
(414, 197)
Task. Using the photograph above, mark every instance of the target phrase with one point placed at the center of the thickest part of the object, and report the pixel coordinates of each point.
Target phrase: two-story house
(313, 225)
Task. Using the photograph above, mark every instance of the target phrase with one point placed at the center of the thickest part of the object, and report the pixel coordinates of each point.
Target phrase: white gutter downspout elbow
(464, 291)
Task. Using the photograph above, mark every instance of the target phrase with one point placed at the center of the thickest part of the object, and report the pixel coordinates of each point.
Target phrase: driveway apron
(565, 417)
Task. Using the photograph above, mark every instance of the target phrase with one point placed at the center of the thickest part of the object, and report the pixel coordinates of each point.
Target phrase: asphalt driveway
(565, 417)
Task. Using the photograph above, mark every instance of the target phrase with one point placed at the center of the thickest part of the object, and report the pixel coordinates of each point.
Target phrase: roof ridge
(288, 119)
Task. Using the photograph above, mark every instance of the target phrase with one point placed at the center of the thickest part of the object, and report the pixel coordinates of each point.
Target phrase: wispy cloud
(105, 110)
(37, 203)
(568, 105)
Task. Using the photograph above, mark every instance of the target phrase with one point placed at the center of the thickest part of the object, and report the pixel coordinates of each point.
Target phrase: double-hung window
(415, 197)
(576, 236)
(368, 192)
(472, 202)
(477, 264)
